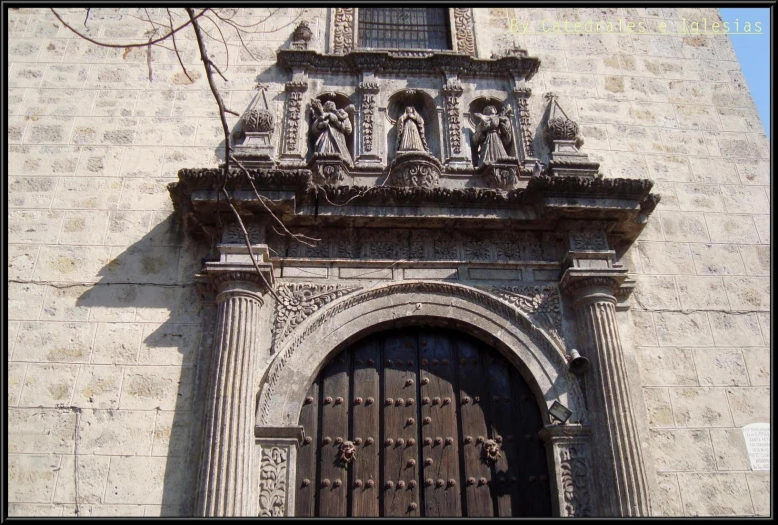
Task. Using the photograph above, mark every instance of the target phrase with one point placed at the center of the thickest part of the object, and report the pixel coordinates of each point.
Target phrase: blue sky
(753, 53)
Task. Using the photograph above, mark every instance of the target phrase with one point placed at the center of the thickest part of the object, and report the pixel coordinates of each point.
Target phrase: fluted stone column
(620, 477)
(228, 446)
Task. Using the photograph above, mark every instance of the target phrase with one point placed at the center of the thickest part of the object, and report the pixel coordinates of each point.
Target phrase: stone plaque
(757, 436)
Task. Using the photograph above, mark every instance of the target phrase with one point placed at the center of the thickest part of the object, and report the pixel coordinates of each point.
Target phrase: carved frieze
(297, 301)
(272, 481)
(575, 484)
(343, 32)
(233, 234)
(588, 240)
(463, 30)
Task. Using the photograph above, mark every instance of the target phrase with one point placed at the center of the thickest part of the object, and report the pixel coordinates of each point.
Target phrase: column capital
(580, 283)
(235, 273)
(565, 433)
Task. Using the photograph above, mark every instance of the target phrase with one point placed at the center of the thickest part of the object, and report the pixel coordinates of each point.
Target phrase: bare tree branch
(175, 47)
(122, 46)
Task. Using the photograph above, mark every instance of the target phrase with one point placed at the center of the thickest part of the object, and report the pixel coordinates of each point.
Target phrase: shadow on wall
(150, 286)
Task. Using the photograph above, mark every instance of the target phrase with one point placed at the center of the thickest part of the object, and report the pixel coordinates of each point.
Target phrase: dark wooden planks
(366, 413)
(471, 398)
(400, 490)
(334, 430)
(505, 424)
(440, 442)
(305, 501)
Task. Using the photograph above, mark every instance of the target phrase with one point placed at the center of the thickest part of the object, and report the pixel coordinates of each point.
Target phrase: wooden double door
(421, 422)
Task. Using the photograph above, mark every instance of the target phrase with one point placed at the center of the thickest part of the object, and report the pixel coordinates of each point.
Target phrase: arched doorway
(423, 408)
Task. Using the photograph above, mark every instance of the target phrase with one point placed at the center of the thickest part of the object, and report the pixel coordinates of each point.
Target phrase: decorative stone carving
(492, 135)
(522, 107)
(463, 29)
(575, 486)
(343, 32)
(479, 297)
(410, 131)
(588, 240)
(369, 91)
(540, 302)
(500, 176)
(564, 139)
(257, 149)
(232, 233)
(302, 35)
(415, 169)
(453, 91)
(294, 100)
(297, 301)
(272, 482)
(331, 126)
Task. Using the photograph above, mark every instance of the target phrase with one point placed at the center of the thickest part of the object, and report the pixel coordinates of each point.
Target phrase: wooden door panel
(305, 500)
(366, 404)
(437, 396)
(534, 469)
(334, 431)
(440, 442)
(504, 424)
(475, 429)
(400, 407)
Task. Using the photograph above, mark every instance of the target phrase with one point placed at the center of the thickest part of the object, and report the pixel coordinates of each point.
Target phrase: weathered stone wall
(108, 337)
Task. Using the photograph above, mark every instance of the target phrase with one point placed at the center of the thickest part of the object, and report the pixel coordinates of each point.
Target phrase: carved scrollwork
(369, 90)
(588, 240)
(522, 108)
(296, 301)
(343, 34)
(453, 90)
(500, 176)
(293, 110)
(259, 120)
(415, 169)
(463, 28)
(540, 302)
(272, 482)
(574, 474)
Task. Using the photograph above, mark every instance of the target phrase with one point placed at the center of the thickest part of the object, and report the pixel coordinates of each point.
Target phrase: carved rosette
(369, 91)
(522, 106)
(463, 28)
(294, 100)
(415, 169)
(500, 176)
(588, 240)
(343, 33)
(272, 482)
(259, 120)
(297, 301)
(453, 91)
(574, 473)
(540, 302)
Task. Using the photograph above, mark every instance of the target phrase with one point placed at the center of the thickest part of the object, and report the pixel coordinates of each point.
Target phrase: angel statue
(410, 131)
(492, 134)
(331, 125)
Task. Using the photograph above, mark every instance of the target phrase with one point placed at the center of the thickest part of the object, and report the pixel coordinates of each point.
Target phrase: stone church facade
(502, 273)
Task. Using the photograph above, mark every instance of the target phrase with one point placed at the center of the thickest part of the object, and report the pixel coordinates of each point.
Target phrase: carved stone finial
(560, 126)
(301, 35)
(258, 121)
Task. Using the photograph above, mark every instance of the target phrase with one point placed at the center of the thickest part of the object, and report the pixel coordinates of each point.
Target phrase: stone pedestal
(619, 471)
(276, 449)
(569, 456)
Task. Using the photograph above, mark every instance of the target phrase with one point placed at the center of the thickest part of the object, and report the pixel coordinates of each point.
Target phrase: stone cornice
(432, 62)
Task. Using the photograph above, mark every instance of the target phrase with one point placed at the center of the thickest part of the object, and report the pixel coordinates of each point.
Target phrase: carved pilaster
(569, 455)
(343, 31)
(620, 473)
(452, 92)
(277, 459)
(367, 145)
(226, 465)
(294, 107)
(525, 147)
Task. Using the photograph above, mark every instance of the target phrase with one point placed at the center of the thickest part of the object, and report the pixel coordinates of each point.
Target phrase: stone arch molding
(309, 346)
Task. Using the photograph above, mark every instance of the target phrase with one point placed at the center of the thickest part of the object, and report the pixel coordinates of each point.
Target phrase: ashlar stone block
(666, 366)
(162, 477)
(757, 360)
(748, 293)
(34, 430)
(702, 293)
(92, 472)
(700, 407)
(730, 449)
(715, 494)
(735, 329)
(720, 367)
(749, 405)
(682, 450)
(683, 329)
(31, 477)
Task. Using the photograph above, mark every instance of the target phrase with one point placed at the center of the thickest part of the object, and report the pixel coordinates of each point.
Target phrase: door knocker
(347, 452)
(491, 450)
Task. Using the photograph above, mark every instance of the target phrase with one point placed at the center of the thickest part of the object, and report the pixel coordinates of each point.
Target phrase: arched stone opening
(483, 316)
